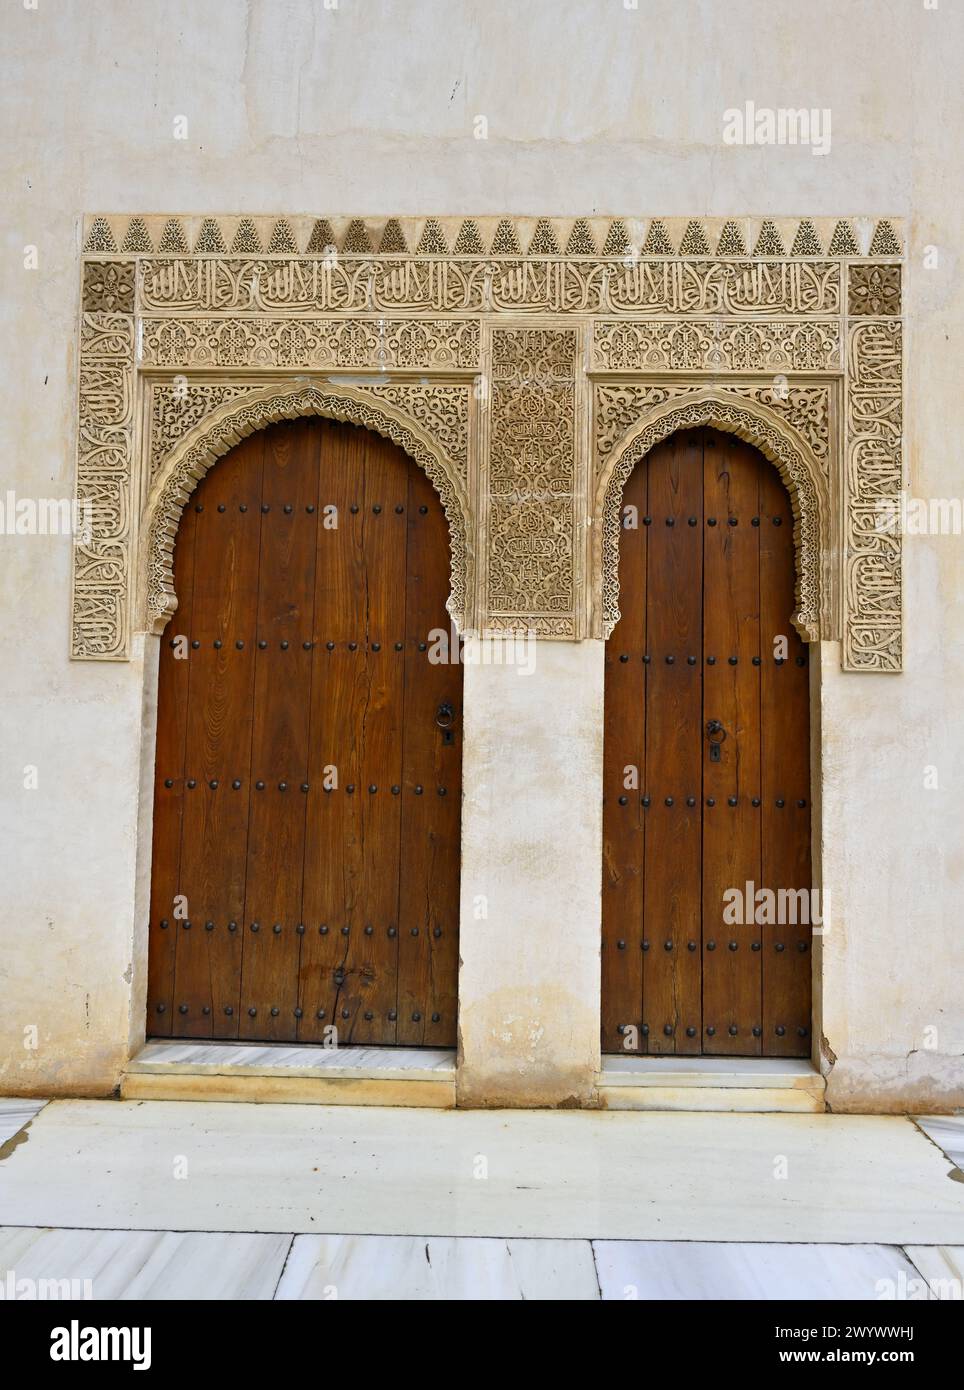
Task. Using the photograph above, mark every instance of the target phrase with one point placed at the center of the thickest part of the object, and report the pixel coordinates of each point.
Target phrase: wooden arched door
(706, 763)
(308, 770)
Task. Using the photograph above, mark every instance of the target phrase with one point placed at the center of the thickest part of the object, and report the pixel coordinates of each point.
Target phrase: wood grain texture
(283, 650)
(731, 694)
(671, 972)
(370, 991)
(428, 899)
(219, 724)
(312, 563)
(333, 861)
(785, 849)
(714, 591)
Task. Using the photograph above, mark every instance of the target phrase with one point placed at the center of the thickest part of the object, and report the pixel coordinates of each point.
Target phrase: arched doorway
(706, 808)
(308, 770)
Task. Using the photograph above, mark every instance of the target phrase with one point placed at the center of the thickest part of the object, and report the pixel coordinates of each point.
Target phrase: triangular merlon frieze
(467, 236)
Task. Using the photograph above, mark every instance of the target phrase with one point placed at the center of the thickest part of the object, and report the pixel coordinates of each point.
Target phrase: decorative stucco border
(237, 234)
(467, 361)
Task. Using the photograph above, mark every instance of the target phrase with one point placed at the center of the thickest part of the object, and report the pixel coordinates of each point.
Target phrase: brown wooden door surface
(307, 804)
(706, 573)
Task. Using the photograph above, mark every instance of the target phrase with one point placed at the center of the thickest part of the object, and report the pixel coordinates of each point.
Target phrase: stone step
(423, 1077)
(710, 1083)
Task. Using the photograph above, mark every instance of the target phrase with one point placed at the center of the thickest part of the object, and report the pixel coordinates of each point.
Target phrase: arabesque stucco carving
(526, 382)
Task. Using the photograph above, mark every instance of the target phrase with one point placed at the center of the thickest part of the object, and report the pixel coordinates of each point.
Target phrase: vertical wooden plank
(371, 959)
(284, 647)
(218, 745)
(671, 956)
(172, 706)
(624, 781)
(335, 905)
(732, 974)
(333, 867)
(786, 785)
(431, 784)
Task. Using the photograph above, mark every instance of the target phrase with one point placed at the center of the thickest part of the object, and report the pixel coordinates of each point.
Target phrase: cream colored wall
(369, 108)
(531, 874)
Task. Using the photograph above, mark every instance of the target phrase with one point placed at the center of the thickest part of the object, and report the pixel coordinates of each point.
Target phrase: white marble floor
(659, 1269)
(476, 1205)
(305, 1169)
(205, 1265)
(154, 1265)
(438, 1267)
(15, 1114)
(947, 1132)
(942, 1266)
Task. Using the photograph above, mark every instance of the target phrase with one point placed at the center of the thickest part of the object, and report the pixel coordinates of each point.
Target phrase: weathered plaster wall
(531, 869)
(369, 109)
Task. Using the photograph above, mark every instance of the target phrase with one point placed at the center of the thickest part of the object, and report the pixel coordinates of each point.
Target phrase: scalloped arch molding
(525, 364)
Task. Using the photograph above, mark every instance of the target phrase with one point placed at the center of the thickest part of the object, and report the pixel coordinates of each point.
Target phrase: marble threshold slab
(760, 1084)
(746, 1072)
(280, 1073)
(217, 1071)
(282, 1059)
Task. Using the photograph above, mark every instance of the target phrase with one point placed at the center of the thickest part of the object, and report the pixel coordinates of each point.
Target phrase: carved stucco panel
(716, 345)
(532, 529)
(469, 286)
(443, 410)
(100, 626)
(401, 344)
(481, 364)
(175, 408)
(874, 475)
(806, 407)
